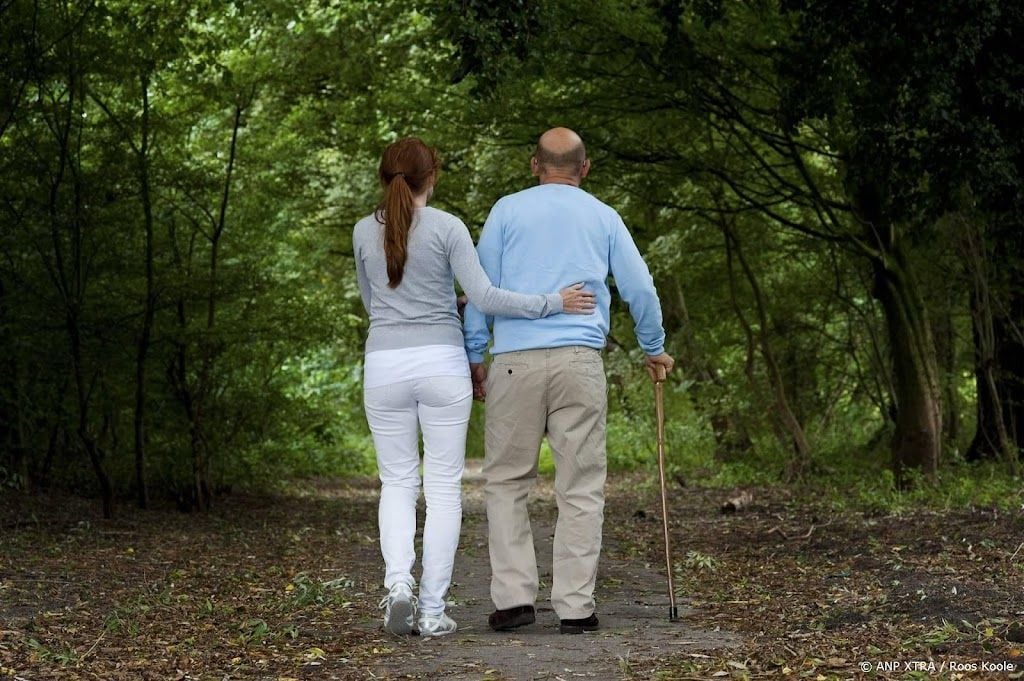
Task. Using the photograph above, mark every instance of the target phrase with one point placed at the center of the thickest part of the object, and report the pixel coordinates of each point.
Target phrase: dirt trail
(283, 587)
(632, 606)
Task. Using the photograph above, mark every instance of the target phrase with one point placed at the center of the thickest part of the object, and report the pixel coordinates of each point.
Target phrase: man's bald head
(561, 150)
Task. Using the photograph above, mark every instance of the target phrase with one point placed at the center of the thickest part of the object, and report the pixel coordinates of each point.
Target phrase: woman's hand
(577, 301)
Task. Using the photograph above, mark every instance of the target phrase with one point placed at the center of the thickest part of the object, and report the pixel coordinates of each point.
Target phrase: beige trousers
(560, 392)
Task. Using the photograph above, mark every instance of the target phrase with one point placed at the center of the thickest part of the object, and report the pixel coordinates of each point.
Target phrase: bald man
(547, 378)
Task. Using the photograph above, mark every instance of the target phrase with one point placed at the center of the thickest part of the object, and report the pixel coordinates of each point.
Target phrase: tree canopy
(828, 194)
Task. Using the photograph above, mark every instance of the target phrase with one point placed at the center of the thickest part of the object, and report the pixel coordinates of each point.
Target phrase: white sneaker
(399, 609)
(436, 625)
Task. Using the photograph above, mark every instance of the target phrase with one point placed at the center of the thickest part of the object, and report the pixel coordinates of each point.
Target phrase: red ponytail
(407, 167)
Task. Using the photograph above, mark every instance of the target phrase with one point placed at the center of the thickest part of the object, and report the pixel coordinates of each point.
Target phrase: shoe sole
(398, 619)
(520, 620)
(435, 634)
(575, 629)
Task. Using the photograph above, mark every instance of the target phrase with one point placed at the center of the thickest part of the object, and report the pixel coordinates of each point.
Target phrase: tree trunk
(58, 437)
(751, 346)
(42, 476)
(1008, 331)
(201, 452)
(991, 437)
(145, 333)
(945, 350)
(917, 440)
(177, 373)
(177, 369)
(83, 395)
(800, 444)
(1009, 335)
(70, 268)
(194, 396)
(11, 422)
(1010, 379)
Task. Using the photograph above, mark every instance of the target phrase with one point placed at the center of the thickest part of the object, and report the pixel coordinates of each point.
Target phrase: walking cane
(659, 413)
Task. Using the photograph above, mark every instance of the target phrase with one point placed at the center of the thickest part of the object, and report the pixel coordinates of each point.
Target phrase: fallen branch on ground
(807, 535)
(738, 502)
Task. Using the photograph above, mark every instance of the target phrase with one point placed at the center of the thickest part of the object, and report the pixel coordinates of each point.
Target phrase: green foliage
(184, 124)
(905, 83)
(632, 427)
(490, 39)
(253, 630)
(305, 590)
(179, 182)
(62, 657)
(697, 561)
(984, 485)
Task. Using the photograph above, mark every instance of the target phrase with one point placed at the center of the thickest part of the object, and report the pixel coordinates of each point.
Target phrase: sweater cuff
(555, 303)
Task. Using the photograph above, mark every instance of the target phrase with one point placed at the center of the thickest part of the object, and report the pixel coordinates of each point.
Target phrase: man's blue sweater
(551, 236)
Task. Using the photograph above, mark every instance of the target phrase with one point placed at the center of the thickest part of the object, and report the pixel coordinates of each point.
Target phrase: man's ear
(535, 166)
(584, 168)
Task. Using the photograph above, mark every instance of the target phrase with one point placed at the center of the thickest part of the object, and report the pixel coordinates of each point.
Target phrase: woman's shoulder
(368, 221)
(440, 218)
(366, 225)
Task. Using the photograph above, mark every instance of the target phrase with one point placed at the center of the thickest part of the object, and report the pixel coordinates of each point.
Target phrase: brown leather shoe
(579, 626)
(506, 620)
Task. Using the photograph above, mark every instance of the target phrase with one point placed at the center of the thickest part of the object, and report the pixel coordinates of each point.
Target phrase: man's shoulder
(509, 200)
(540, 191)
(608, 211)
(529, 195)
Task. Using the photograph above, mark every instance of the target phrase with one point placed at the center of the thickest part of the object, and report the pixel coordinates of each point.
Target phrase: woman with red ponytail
(416, 373)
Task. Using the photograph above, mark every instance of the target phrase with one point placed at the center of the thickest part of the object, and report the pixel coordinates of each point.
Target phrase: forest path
(632, 606)
(285, 587)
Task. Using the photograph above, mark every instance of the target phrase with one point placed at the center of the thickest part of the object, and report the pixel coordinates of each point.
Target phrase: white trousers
(440, 407)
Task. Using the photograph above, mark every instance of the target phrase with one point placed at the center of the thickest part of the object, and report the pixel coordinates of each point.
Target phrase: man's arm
(477, 327)
(636, 286)
(477, 330)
